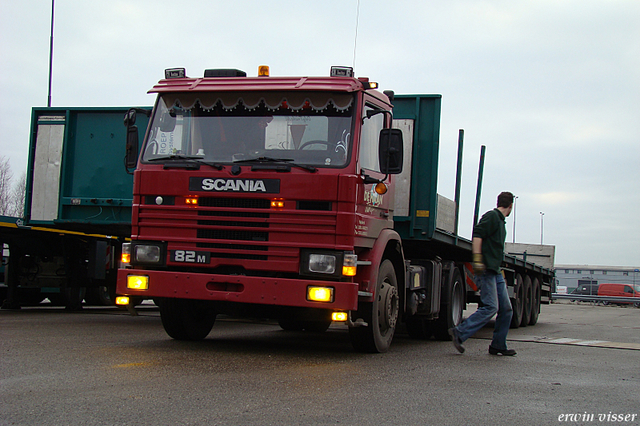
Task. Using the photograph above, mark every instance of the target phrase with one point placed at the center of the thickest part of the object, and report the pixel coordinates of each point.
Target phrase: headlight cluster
(328, 263)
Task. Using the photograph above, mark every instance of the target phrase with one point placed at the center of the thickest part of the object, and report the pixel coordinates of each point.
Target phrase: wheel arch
(387, 246)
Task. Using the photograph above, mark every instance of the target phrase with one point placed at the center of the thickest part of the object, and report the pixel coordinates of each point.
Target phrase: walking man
(488, 252)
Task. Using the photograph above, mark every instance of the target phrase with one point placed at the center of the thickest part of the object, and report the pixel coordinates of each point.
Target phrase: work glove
(478, 266)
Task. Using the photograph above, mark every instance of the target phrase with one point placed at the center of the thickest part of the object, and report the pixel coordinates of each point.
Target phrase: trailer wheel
(536, 297)
(527, 300)
(516, 303)
(185, 319)
(381, 315)
(451, 313)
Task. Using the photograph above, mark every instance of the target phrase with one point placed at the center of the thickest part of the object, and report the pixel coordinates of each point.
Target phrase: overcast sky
(550, 87)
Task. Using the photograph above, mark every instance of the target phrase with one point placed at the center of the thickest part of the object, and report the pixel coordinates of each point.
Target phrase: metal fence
(595, 298)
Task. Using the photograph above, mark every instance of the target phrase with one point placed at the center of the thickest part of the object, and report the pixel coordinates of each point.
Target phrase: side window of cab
(369, 140)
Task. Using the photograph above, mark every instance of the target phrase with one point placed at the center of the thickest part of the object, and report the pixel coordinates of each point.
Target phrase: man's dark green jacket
(493, 232)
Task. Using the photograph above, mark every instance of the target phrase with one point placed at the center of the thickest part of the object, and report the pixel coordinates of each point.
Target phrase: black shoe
(455, 338)
(503, 352)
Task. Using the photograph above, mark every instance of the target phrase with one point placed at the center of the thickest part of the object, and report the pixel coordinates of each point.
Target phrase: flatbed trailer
(77, 210)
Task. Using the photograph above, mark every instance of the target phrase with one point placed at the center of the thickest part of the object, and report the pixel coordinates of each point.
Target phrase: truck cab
(267, 197)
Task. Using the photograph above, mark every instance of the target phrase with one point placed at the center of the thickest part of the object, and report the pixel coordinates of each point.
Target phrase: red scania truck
(302, 199)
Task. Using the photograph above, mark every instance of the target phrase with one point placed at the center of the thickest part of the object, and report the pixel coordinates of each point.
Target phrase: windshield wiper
(195, 158)
(288, 161)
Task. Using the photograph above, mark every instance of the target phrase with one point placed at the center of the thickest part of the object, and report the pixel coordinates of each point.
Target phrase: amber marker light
(263, 71)
(125, 257)
(339, 316)
(122, 300)
(349, 265)
(381, 188)
(277, 203)
(191, 201)
(138, 282)
(320, 294)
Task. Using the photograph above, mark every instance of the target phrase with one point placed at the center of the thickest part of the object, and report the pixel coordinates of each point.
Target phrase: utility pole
(541, 226)
(51, 53)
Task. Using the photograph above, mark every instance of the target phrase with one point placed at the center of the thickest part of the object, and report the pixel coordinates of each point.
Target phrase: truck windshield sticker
(267, 186)
(312, 129)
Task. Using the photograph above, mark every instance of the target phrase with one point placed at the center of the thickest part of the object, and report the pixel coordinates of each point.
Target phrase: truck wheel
(451, 313)
(526, 302)
(99, 296)
(516, 304)
(185, 319)
(381, 315)
(289, 324)
(316, 326)
(536, 297)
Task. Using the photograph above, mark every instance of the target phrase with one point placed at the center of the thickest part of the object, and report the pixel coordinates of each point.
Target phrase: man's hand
(478, 266)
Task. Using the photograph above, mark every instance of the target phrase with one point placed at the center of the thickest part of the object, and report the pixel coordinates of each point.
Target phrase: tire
(381, 315)
(316, 326)
(185, 319)
(69, 297)
(451, 312)
(526, 301)
(516, 304)
(98, 296)
(290, 324)
(536, 297)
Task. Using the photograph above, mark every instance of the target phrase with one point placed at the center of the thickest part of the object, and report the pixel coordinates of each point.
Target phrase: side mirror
(131, 155)
(390, 151)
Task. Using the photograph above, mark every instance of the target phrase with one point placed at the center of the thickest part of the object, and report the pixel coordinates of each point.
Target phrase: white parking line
(577, 342)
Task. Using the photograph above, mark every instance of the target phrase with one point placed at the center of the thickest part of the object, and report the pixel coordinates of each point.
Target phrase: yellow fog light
(339, 316)
(320, 294)
(138, 282)
(122, 300)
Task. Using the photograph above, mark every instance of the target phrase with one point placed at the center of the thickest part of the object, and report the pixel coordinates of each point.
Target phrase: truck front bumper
(238, 288)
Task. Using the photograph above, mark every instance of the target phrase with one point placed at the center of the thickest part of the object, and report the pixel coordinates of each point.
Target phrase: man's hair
(505, 199)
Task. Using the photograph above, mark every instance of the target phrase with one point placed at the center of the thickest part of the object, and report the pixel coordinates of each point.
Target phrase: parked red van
(620, 290)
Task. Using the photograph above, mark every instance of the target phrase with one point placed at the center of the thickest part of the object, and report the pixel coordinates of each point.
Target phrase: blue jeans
(494, 297)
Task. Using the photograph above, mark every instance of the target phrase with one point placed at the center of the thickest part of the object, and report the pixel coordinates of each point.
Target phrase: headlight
(146, 254)
(322, 263)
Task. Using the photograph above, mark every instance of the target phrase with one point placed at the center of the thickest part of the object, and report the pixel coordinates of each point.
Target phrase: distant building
(573, 276)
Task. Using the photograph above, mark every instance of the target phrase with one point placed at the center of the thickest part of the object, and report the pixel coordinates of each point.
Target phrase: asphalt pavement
(102, 366)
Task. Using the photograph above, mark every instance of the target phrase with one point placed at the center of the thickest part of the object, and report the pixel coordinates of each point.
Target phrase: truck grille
(243, 229)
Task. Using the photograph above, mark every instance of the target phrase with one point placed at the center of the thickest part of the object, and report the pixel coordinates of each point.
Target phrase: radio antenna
(355, 41)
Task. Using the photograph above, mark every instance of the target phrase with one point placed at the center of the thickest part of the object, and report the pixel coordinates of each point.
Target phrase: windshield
(306, 128)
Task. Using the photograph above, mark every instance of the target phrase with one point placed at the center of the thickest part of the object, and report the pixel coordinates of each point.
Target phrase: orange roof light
(263, 71)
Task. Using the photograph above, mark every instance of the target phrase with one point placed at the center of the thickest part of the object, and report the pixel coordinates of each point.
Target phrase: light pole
(53, 8)
(541, 226)
(515, 198)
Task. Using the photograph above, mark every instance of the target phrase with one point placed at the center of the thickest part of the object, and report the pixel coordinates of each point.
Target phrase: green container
(76, 176)
(416, 187)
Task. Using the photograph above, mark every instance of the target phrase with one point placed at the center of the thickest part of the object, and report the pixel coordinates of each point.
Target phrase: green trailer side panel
(94, 194)
(425, 110)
